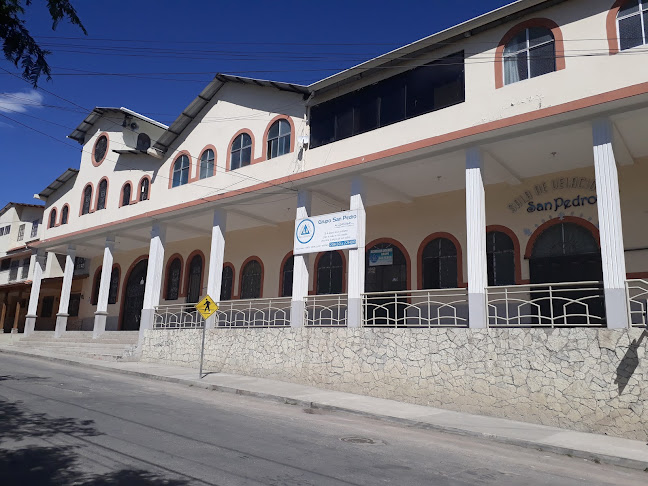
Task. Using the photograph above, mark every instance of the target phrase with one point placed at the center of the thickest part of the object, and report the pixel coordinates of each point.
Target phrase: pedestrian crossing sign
(206, 307)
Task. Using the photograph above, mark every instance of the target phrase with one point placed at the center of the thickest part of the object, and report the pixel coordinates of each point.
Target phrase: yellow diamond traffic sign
(206, 307)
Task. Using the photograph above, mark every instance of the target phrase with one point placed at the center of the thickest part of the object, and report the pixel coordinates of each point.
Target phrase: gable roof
(80, 132)
(58, 182)
(13, 204)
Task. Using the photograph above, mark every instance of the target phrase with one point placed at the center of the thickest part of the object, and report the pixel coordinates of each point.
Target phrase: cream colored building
(498, 169)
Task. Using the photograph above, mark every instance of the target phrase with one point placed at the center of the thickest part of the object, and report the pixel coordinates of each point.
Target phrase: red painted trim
(552, 222)
(166, 275)
(95, 162)
(90, 210)
(344, 271)
(248, 260)
(588, 102)
(229, 148)
(281, 272)
(611, 26)
(267, 130)
(185, 291)
(230, 265)
(205, 148)
(96, 206)
(559, 45)
(516, 248)
(121, 194)
(419, 258)
(128, 273)
(49, 218)
(180, 154)
(66, 205)
(637, 275)
(397, 244)
(139, 188)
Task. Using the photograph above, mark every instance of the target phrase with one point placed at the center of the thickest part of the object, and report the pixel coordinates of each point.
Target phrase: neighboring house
(489, 164)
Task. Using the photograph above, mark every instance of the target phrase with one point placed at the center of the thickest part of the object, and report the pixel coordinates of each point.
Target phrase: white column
(37, 277)
(300, 268)
(154, 277)
(101, 314)
(476, 239)
(216, 260)
(356, 272)
(610, 228)
(66, 288)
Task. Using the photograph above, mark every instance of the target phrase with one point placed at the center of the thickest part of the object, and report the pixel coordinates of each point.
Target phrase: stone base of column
(616, 309)
(477, 316)
(61, 325)
(297, 310)
(99, 324)
(30, 324)
(146, 323)
(354, 312)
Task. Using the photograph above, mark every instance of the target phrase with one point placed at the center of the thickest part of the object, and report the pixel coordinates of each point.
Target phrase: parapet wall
(592, 380)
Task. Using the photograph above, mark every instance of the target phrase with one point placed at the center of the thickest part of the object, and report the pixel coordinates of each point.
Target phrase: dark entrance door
(567, 252)
(134, 300)
(385, 271)
(195, 280)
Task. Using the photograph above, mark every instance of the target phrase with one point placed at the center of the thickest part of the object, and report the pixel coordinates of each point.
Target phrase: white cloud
(20, 102)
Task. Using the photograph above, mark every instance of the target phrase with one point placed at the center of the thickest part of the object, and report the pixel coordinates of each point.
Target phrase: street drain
(360, 440)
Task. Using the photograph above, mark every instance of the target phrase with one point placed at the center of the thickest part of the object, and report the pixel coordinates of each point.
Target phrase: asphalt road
(63, 425)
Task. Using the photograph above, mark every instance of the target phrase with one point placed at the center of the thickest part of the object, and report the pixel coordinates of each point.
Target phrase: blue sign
(305, 231)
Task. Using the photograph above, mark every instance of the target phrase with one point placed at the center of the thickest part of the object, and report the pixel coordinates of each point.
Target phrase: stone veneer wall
(593, 380)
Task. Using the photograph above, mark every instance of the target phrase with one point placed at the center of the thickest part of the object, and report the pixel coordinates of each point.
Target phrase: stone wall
(584, 379)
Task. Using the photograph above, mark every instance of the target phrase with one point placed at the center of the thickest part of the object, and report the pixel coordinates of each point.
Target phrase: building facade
(497, 169)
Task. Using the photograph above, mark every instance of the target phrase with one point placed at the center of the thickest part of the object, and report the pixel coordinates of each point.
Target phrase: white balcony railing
(416, 308)
(637, 294)
(569, 304)
(254, 313)
(326, 311)
(177, 316)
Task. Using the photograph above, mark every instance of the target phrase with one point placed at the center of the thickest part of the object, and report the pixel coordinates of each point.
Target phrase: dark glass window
(126, 195)
(13, 271)
(21, 230)
(143, 142)
(87, 200)
(279, 139)
(194, 280)
(103, 193)
(227, 283)
(433, 86)
(100, 149)
(144, 189)
(330, 273)
(52, 220)
(241, 154)
(47, 307)
(439, 265)
(384, 277)
(287, 277)
(180, 171)
(500, 258)
(73, 307)
(530, 53)
(65, 213)
(633, 24)
(96, 285)
(113, 290)
(24, 270)
(5, 264)
(251, 279)
(207, 164)
(173, 280)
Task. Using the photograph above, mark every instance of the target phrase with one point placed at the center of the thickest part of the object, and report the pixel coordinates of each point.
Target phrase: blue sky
(144, 44)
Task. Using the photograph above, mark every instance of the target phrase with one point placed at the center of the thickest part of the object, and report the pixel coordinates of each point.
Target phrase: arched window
(241, 151)
(113, 290)
(330, 273)
(65, 214)
(181, 171)
(227, 283)
(173, 279)
(251, 278)
(439, 264)
(500, 258)
(287, 276)
(52, 218)
(632, 22)
(194, 279)
(279, 139)
(143, 142)
(207, 164)
(385, 268)
(100, 150)
(103, 194)
(87, 200)
(126, 194)
(144, 189)
(95, 287)
(531, 53)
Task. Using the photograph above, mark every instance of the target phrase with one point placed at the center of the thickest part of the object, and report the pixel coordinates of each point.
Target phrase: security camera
(134, 126)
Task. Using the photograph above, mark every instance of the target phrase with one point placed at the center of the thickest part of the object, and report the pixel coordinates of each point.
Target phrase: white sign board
(335, 231)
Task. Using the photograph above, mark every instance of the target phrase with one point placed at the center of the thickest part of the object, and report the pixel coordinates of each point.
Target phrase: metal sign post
(206, 307)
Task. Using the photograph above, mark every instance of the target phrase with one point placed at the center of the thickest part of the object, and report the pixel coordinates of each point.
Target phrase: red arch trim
(97, 163)
(66, 205)
(166, 275)
(516, 248)
(552, 222)
(611, 26)
(187, 272)
(205, 148)
(230, 265)
(344, 271)
(265, 134)
(96, 205)
(139, 188)
(189, 178)
(248, 260)
(398, 244)
(123, 292)
(49, 218)
(229, 148)
(90, 209)
(121, 194)
(419, 258)
(281, 272)
(538, 22)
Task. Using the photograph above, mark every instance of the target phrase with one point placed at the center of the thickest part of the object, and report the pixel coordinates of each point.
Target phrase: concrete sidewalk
(593, 447)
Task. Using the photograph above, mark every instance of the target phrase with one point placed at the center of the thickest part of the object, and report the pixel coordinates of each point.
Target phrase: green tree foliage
(19, 46)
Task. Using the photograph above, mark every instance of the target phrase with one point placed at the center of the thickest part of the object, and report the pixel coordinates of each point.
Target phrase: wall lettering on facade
(561, 203)
(526, 198)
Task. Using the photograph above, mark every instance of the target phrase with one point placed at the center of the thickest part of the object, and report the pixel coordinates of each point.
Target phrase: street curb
(566, 451)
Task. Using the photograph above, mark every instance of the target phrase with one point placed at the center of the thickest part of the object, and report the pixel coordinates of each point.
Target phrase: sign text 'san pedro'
(335, 231)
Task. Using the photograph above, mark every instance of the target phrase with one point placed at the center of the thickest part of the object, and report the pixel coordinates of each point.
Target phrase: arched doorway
(386, 270)
(568, 252)
(194, 279)
(134, 297)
